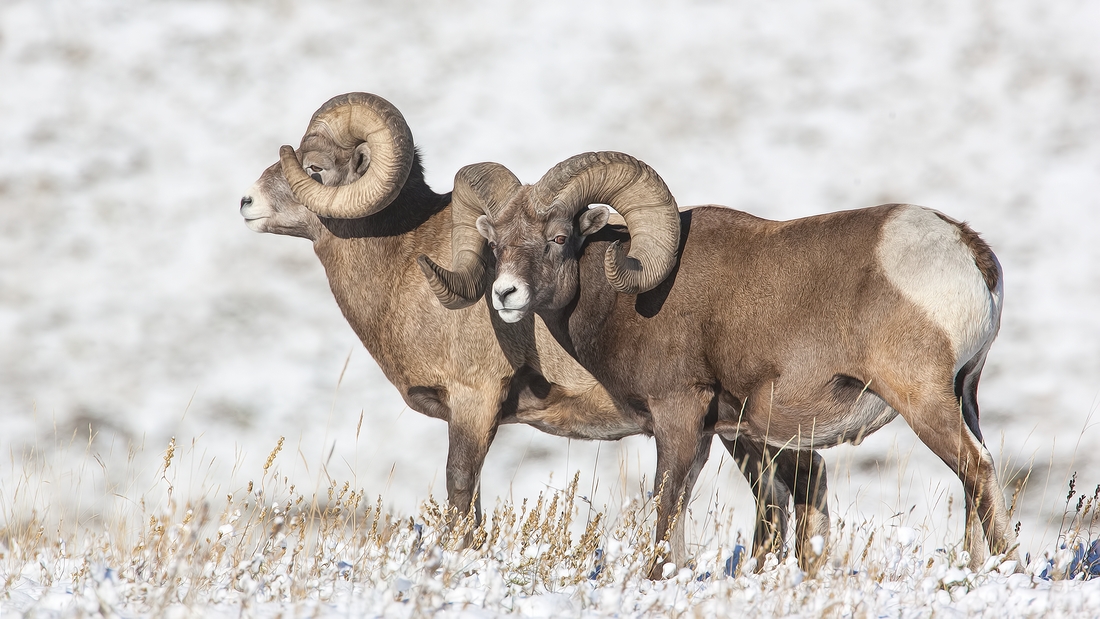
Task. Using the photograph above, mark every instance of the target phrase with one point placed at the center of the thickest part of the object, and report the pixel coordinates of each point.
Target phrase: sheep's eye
(314, 168)
(492, 245)
(560, 239)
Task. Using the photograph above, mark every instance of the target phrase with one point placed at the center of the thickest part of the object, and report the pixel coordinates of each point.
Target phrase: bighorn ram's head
(536, 231)
(352, 162)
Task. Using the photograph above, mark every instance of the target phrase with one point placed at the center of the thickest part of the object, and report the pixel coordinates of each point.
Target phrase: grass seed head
(169, 453)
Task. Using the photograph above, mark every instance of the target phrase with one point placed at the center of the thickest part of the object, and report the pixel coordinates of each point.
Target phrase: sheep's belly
(849, 423)
(865, 416)
(591, 428)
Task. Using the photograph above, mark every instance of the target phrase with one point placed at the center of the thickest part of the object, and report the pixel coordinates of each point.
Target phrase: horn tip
(621, 270)
(442, 284)
(426, 265)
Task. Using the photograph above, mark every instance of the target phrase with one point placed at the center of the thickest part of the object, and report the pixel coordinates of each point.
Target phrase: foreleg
(472, 426)
(682, 449)
(773, 496)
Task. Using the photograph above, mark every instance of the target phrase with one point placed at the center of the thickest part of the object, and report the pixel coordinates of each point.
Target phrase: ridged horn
(479, 189)
(349, 120)
(634, 190)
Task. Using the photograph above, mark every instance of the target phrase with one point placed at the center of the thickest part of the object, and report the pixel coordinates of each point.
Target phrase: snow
(405, 579)
(135, 306)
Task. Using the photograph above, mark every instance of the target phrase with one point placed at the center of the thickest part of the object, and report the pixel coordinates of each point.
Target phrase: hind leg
(966, 390)
(937, 419)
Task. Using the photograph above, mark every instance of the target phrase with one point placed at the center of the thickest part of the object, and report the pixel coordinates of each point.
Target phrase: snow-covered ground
(135, 306)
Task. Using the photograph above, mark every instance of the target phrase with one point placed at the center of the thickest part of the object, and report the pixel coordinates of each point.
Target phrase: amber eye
(492, 245)
(314, 168)
(560, 239)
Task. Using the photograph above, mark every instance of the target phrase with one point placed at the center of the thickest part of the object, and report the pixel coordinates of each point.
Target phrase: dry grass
(268, 549)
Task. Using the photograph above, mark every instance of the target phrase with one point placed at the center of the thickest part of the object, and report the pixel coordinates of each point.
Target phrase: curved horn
(634, 190)
(479, 189)
(349, 120)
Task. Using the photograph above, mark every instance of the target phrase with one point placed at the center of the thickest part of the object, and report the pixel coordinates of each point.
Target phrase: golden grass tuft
(271, 546)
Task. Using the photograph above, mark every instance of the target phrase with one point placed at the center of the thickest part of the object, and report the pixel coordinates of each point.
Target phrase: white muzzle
(511, 298)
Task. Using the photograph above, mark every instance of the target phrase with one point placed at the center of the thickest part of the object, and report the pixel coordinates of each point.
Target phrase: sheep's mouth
(253, 213)
(255, 224)
(511, 315)
(509, 311)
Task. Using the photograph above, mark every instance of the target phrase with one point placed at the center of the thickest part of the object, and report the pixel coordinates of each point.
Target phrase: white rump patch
(925, 258)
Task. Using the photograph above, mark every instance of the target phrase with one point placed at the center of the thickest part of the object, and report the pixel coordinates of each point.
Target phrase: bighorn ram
(791, 336)
(356, 189)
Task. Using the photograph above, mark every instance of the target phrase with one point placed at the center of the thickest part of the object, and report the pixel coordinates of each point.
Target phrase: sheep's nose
(503, 293)
(246, 201)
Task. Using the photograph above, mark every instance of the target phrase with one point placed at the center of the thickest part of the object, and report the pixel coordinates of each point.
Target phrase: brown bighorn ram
(356, 189)
(791, 336)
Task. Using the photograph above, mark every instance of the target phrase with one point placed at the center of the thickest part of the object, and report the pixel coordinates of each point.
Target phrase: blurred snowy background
(135, 304)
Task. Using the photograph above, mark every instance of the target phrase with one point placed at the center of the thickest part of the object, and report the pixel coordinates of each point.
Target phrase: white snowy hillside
(135, 306)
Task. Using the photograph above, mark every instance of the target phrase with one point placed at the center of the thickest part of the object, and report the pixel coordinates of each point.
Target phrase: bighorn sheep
(794, 335)
(356, 190)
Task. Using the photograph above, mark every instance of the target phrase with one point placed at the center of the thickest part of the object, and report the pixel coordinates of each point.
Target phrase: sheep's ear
(361, 158)
(485, 228)
(593, 219)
